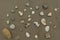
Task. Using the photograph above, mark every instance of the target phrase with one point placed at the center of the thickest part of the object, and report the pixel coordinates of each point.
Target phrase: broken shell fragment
(22, 21)
(43, 21)
(36, 23)
(7, 33)
(41, 13)
(47, 35)
(56, 9)
(12, 26)
(20, 13)
(47, 28)
(27, 34)
(49, 14)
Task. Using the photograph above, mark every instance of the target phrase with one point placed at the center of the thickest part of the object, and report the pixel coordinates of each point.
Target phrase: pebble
(8, 22)
(50, 14)
(20, 13)
(56, 9)
(47, 28)
(47, 35)
(16, 7)
(22, 21)
(27, 4)
(27, 25)
(36, 23)
(33, 12)
(29, 15)
(27, 34)
(36, 36)
(6, 33)
(25, 10)
(43, 21)
(29, 19)
(42, 13)
(7, 15)
(37, 7)
(31, 8)
(12, 26)
(45, 6)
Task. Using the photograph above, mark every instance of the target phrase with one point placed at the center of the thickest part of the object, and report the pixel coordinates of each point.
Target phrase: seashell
(7, 33)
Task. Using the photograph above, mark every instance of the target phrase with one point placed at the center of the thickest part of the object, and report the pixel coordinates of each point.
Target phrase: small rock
(45, 6)
(16, 7)
(37, 7)
(27, 4)
(22, 21)
(43, 21)
(48, 36)
(7, 33)
(25, 10)
(29, 15)
(47, 28)
(36, 23)
(31, 8)
(27, 25)
(49, 14)
(7, 15)
(29, 19)
(56, 9)
(20, 13)
(42, 13)
(12, 26)
(8, 22)
(33, 12)
(36, 36)
(27, 34)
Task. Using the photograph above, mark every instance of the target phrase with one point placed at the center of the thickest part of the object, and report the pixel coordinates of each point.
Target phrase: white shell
(41, 13)
(20, 13)
(27, 34)
(43, 21)
(36, 23)
(47, 28)
(12, 26)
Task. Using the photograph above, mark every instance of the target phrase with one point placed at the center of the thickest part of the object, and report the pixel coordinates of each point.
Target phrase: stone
(36, 36)
(12, 11)
(37, 7)
(43, 21)
(29, 19)
(33, 12)
(50, 14)
(12, 26)
(20, 13)
(47, 28)
(45, 6)
(27, 34)
(8, 22)
(7, 15)
(27, 4)
(16, 7)
(6, 33)
(42, 13)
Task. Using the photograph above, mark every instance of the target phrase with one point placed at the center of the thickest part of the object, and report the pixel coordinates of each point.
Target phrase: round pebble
(27, 34)
(12, 26)
(37, 7)
(41, 13)
(27, 4)
(36, 36)
(47, 28)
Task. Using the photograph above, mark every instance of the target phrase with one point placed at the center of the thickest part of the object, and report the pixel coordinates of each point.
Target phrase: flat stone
(45, 6)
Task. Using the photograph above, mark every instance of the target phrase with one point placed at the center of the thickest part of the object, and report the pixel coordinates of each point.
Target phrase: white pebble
(41, 13)
(7, 21)
(49, 14)
(20, 13)
(56, 9)
(30, 8)
(16, 6)
(29, 15)
(36, 36)
(36, 23)
(43, 21)
(29, 19)
(33, 12)
(27, 34)
(47, 28)
(7, 15)
(12, 26)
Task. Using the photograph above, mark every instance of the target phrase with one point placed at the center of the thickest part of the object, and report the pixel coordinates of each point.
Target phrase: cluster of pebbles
(43, 21)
